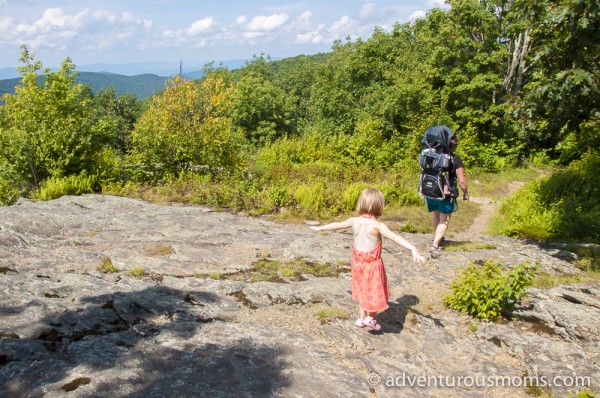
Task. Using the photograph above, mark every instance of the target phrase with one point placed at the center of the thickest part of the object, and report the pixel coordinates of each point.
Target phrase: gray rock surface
(69, 330)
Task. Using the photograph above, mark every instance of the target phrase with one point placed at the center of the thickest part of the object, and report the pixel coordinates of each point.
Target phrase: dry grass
(159, 249)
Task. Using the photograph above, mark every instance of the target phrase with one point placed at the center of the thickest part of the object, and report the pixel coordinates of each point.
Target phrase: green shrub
(484, 291)
(327, 314)
(107, 266)
(561, 206)
(137, 271)
(291, 151)
(311, 196)
(276, 196)
(55, 187)
(11, 186)
(351, 194)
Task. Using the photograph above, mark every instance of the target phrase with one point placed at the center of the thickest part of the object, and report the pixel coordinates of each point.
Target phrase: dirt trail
(487, 208)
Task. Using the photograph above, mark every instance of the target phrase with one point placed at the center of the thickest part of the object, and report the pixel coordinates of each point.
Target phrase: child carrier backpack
(436, 162)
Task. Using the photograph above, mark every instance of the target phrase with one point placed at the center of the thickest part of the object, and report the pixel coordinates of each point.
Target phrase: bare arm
(389, 234)
(334, 226)
(462, 182)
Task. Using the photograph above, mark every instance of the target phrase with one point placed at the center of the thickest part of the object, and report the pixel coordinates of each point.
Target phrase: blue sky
(194, 32)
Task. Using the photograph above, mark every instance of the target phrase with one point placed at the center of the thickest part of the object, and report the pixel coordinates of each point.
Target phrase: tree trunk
(517, 63)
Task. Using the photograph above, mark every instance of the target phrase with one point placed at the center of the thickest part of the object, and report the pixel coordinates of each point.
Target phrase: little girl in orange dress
(369, 281)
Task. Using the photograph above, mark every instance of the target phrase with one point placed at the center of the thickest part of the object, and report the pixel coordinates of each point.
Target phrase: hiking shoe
(372, 323)
(435, 251)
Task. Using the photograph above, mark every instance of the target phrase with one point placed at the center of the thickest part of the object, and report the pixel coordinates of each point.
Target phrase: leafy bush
(561, 206)
(311, 196)
(106, 266)
(186, 128)
(53, 188)
(484, 291)
(11, 186)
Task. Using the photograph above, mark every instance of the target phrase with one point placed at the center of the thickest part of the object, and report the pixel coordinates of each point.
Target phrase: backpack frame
(436, 163)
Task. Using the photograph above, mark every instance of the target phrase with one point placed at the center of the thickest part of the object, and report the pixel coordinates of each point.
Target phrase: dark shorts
(445, 206)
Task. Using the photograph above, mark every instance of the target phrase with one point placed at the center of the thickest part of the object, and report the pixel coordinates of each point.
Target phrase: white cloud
(253, 35)
(201, 43)
(312, 37)
(268, 23)
(367, 11)
(201, 26)
(344, 23)
(436, 3)
(122, 31)
(417, 14)
(5, 24)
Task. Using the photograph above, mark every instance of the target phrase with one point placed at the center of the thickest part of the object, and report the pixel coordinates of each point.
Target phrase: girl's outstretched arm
(389, 234)
(334, 225)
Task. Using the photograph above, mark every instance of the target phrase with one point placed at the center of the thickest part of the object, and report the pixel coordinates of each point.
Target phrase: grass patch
(496, 185)
(327, 314)
(466, 246)
(267, 270)
(159, 249)
(137, 271)
(547, 281)
(589, 256)
(106, 266)
(53, 188)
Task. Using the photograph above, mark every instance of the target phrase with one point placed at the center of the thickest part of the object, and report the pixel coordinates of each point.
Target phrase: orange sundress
(369, 281)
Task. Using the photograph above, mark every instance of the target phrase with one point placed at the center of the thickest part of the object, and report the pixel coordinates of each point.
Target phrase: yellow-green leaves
(186, 128)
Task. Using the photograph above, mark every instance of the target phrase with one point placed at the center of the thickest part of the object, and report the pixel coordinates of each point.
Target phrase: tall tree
(562, 99)
(187, 128)
(45, 125)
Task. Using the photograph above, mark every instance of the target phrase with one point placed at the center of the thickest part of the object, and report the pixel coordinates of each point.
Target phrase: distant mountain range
(142, 86)
(150, 79)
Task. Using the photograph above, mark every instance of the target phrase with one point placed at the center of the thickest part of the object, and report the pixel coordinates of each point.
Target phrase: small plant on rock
(107, 266)
(137, 271)
(327, 314)
(484, 291)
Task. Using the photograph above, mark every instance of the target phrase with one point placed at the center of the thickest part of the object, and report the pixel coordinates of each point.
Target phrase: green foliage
(296, 150)
(187, 128)
(260, 109)
(106, 266)
(585, 394)
(268, 270)
(310, 196)
(351, 194)
(562, 206)
(327, 314)
(484, 291)
(516, 80)
(466, 246)
(563, 91)
(53, 188)
(137, 271)
(48, 130)
(115, 117)
(11, 184)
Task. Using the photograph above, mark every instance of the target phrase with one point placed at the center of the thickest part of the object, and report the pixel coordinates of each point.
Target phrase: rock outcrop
(168, 319)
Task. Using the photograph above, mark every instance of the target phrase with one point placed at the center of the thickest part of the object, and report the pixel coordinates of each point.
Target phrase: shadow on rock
(394, 317)
(143, 343)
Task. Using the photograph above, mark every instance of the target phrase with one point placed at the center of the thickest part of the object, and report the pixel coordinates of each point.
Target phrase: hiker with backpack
(441, 171)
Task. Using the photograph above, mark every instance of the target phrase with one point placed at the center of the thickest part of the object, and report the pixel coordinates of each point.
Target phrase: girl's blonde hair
(370, 201)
